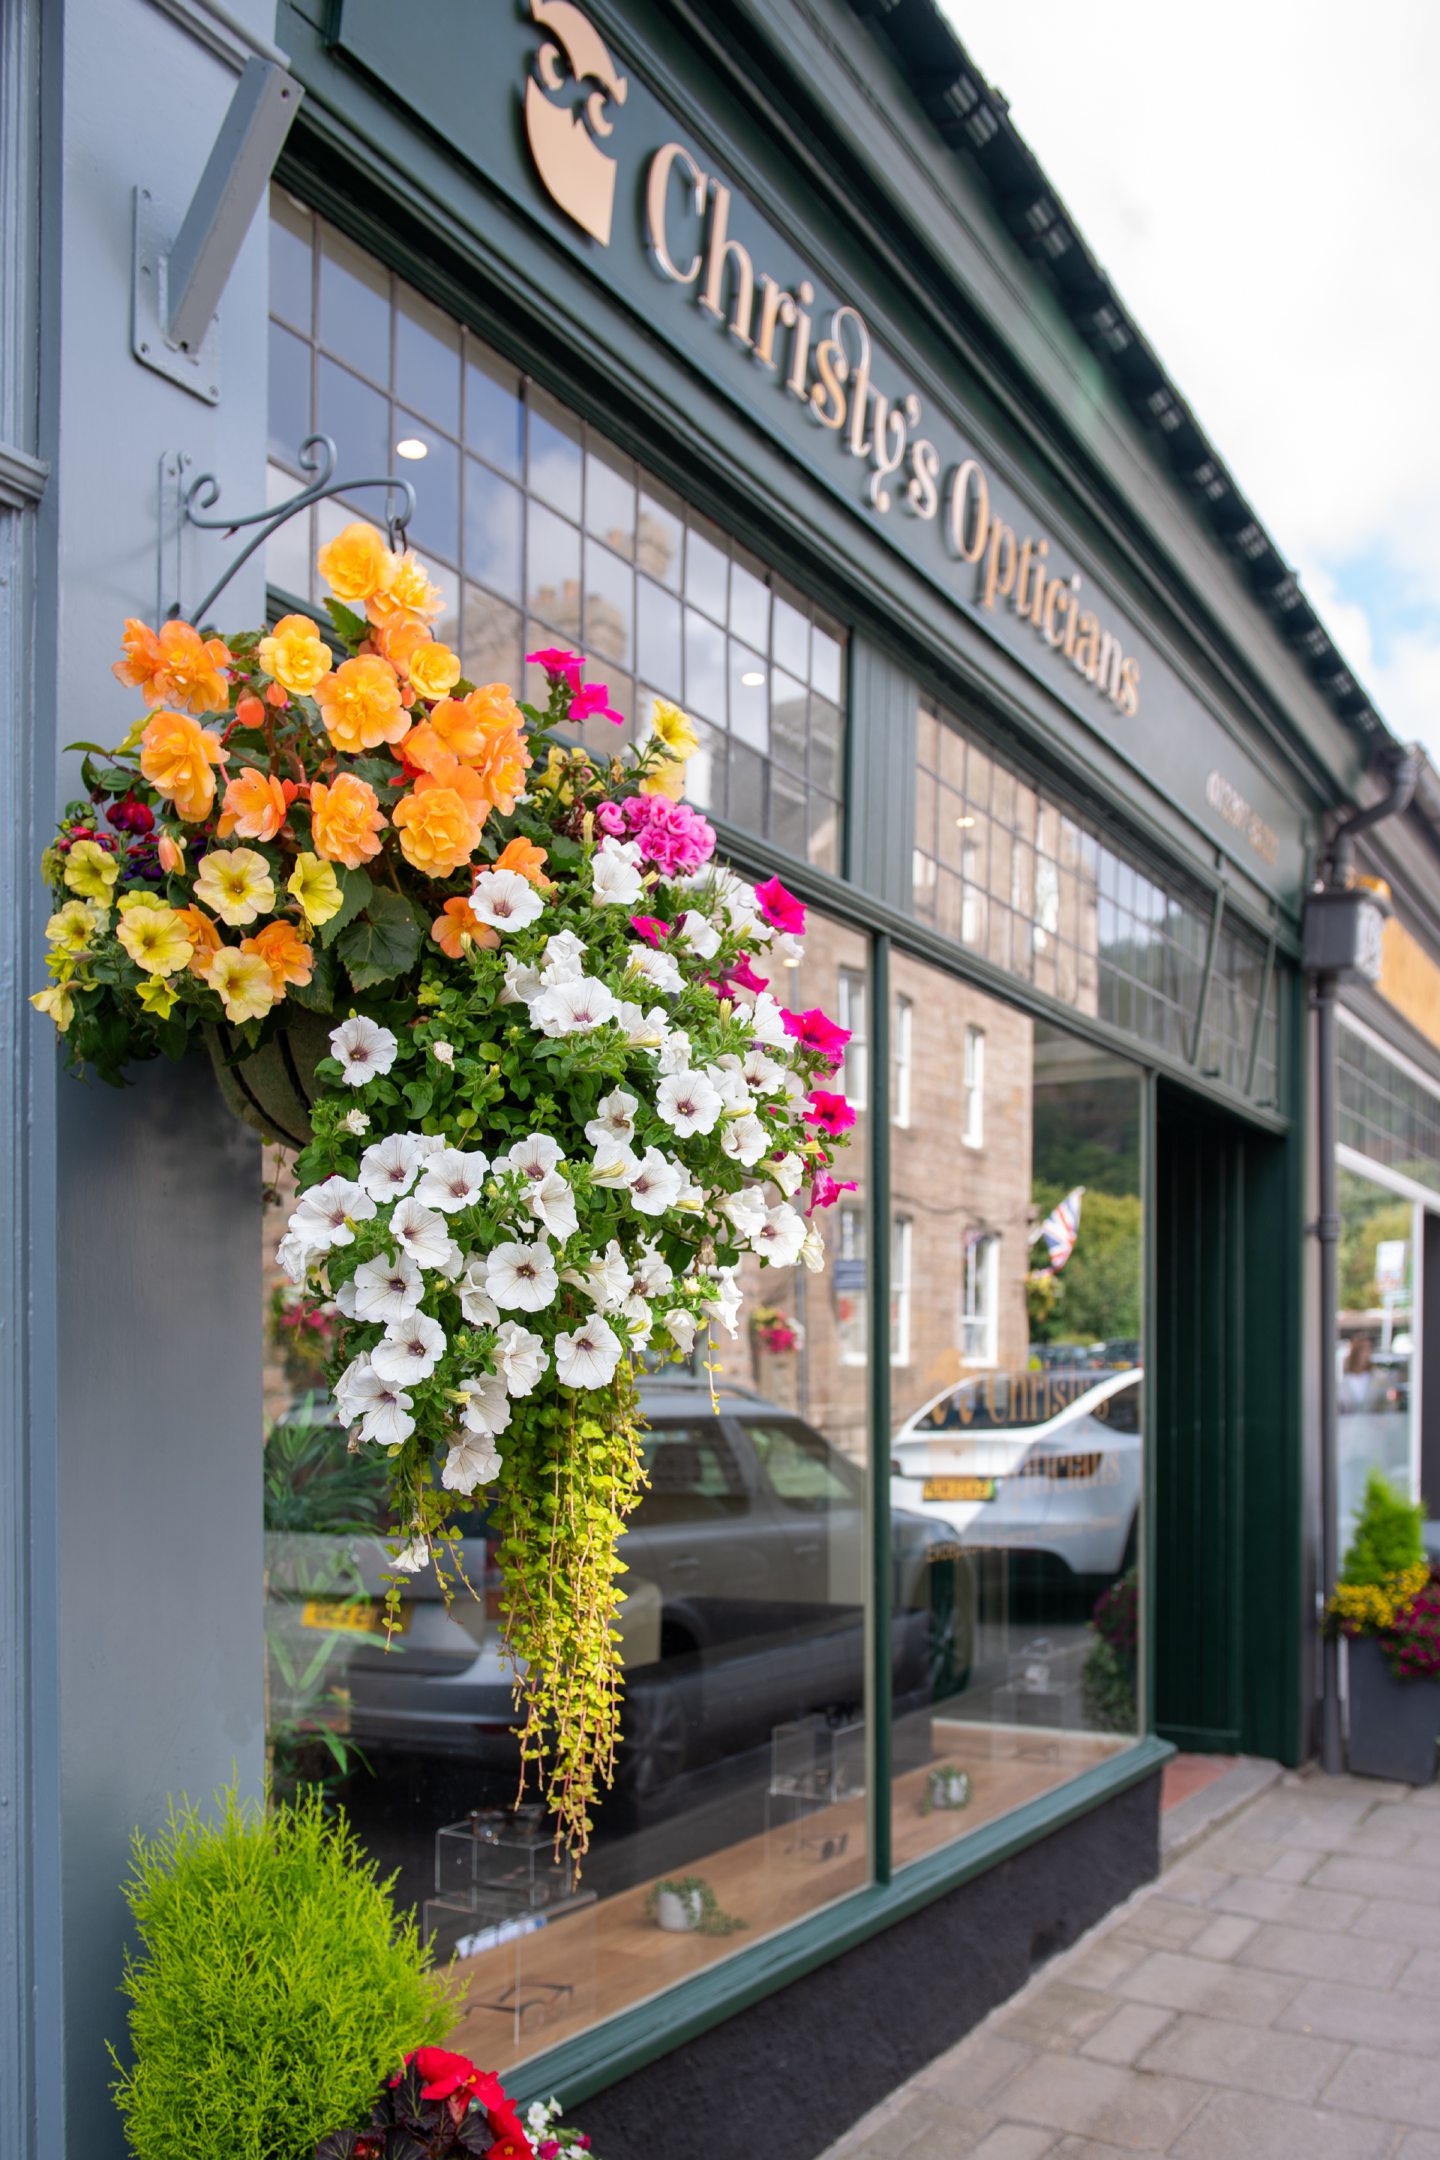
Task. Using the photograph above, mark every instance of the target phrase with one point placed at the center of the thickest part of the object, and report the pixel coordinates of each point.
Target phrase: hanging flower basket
(499, 994)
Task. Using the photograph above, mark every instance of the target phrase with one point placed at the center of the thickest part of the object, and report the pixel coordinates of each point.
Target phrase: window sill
(628, 2042)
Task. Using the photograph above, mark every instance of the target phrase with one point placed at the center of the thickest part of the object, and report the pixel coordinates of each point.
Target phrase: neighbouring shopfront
(709, 349)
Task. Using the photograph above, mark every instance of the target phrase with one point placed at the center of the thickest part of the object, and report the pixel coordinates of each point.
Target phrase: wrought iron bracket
(317, 457)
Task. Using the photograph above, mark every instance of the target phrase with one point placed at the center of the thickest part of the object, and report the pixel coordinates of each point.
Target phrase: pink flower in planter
(832, 1113)
(814, 1030)
(780, 908)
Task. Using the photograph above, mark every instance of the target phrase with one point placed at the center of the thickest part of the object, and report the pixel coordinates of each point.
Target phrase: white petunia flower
(350, 1392)
(453, 1261)
(564, 958)
(780, 1237)
(443, 1052)
(761, 1074)
(412, 1557)
(453, 1179)
(476, 1302)
(614, 1118)
(725, 1305)
(326, 1213)
(293, 1255)
(422, 1233)
(652, 1273)
(505, 900)
(410, 1350)
(521, 1357)
(356, 1122)
(812, 1252)
(533, 1158)
(730, 1085)
(657, 1183)
(572, 1007)
(615, 872)
(766, 1025)
(387, 1289)
(639, 1319)
(606, 1279)
(745, 1209)
(520, 984)
(680, 1324)
(588, 1357)
(691, 1199)
(389, 1168)
(786, 950)
(699, 934)
(643, 1030)
(345, 1299)
(687, 1103)
(676, 1054)
(745, 1140)
(521, 1276)
(552, 1203)
(365, 1049)
(656, 968)
(387, 1421)
(613, 1163)
(471, 1463)
(740, 904)
(788, 1171)
(487, 1405)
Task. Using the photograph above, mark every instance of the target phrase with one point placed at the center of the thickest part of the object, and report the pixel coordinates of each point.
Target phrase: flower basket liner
(271, 1090)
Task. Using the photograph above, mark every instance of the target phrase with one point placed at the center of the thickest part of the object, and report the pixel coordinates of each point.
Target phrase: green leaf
(352, 627)
(356, 891)
(381, 943)
(419, 1094)
(322, 992)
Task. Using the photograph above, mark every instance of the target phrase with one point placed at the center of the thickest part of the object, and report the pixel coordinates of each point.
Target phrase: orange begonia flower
(346, 820)
(360, 705)
(256, 805)
(357, 564)
(285, 953)
(434, 669)
(424, 748)
(399, 639)
(502, 766)
(142, 656)
(439, 821)
(189, 673)
(204, 935)
(492, 706)
(170, 847)
(295, 654)
(524, 856)
(176, 756)
(408, 596)
(458, 925)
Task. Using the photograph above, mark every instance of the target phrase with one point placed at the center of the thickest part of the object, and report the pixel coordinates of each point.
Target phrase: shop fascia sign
(822, 357)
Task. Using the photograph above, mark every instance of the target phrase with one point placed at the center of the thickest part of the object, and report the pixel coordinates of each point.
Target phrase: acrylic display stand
(504, 1901)
(813, 1767)
(1036, 1699)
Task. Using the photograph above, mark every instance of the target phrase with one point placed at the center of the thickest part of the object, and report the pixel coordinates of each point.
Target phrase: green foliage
(274, 1989)
(314, 1483)
(1097, 1292)
(1369, 1217)
(693, 1889)
(382, 942)
(1107, 1688)
(1388, 1535)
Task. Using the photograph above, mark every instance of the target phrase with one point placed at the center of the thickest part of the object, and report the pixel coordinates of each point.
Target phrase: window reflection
(1375, 1351)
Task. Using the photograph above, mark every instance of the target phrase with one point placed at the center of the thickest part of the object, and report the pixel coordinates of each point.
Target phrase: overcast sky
(1261, 180)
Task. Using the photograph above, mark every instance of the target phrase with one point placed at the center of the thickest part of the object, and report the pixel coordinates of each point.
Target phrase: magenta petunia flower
(651, 929)
(741, 972)
(593, 698)
(559, 666)
(814, 1030)
(826, 1190)
(780, 908)
(832, 1113)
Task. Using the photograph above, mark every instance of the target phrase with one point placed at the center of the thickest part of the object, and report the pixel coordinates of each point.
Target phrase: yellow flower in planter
(357, 563)
(158, 996)
(295, 655)
(236, 885)
(155, 939)
(360, 705)
(675, 729)
(434, 670)
(58, 1002)
(244, 982)
(72, 927)
(667, 779)
(409, 597)
(316, 887)
(90, 871)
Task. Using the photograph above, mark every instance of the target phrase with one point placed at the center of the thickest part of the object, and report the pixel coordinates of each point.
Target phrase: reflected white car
(1035, 1462)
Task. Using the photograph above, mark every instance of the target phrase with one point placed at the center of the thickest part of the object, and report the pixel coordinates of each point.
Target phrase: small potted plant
(440, 2107)
(686, 1905)
(1107, 1679)
(1387, 1606)
(947, 1786)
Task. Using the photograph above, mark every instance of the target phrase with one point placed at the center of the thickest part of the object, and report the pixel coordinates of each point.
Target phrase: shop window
(852, 1326)
(973, 1126)
(902, 1034)
(853, 1015)
(901, 1243)
(1375, 1351)
(540, 531)
(977, 1297)
(1017, 1420)
(1388, 1110)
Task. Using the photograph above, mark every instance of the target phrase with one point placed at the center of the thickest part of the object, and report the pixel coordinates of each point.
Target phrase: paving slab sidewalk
(1274, 1996)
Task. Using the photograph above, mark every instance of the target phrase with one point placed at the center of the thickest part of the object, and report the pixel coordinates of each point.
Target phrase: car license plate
(958, 1488)
(350, 1616)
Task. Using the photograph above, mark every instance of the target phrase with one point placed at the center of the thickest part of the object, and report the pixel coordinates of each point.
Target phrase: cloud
(1259, 185)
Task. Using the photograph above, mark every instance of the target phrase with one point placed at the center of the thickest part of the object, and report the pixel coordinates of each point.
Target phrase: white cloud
(1259, 181)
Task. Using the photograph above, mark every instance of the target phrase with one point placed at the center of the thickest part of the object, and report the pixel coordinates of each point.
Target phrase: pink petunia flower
(826, 1190)
(651, 929)
(591, 698)
(559, 666)
(814, 1030)
(780, 908)
(832, 1113)
(740, 971)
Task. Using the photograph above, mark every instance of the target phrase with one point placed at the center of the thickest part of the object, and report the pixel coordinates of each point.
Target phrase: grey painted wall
(144, 1295)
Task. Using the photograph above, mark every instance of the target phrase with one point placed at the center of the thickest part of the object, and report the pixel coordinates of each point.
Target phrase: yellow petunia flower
(675, 729)
(131, 900)
(58, 1002)
(90, 871)
(155, 940)
(236, 885)
(72, 927)
(667, 779)
(244, 983)
(316, 887)
(158, 996)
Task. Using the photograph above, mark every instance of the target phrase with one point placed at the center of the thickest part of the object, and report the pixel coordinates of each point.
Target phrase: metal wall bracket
(180, 268)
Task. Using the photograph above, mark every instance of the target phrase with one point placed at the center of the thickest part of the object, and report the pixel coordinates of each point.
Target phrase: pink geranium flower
(780, 908)
(814, 1030)
(559, 666)
(832, 1113)
(826, 1190)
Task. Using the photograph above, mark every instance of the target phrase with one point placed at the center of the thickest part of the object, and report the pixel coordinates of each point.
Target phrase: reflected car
(745, 1607)
(1045, 1462)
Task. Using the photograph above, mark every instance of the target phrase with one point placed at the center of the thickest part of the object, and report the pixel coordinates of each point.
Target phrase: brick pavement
(1274, 1996)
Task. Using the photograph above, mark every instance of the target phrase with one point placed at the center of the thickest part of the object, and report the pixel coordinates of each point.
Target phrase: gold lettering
(960, 480)
(1087, 646)
(1020, 598)
(860, 377)
(994, 579)
(721, 250)
(1107, 666)
(1042, 549)
(827, 399)
(1073, 624)
(776, 305)
(796, 381)
(1056, 591)
(921, 493)
(657, 195)
(1130, 687)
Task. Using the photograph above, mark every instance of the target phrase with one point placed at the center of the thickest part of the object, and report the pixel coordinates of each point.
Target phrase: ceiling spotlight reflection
(965, 822)
(411, 446)
(753, 679)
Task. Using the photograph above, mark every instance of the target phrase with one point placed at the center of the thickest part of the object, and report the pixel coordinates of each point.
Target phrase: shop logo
(565, 136)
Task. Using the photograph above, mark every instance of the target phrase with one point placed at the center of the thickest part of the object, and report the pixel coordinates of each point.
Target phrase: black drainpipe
(1325, 992)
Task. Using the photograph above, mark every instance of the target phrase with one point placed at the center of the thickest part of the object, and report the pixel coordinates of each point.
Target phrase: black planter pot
(1393, 1723)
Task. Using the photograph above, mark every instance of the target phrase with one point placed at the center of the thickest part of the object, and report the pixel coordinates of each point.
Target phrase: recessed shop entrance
(1226, 1473)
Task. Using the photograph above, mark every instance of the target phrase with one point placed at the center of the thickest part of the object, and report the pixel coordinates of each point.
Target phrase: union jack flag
(1060, 1229)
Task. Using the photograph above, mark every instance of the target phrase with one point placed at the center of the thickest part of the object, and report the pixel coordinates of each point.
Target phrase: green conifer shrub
(275, 1988)
(1388, 1536)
